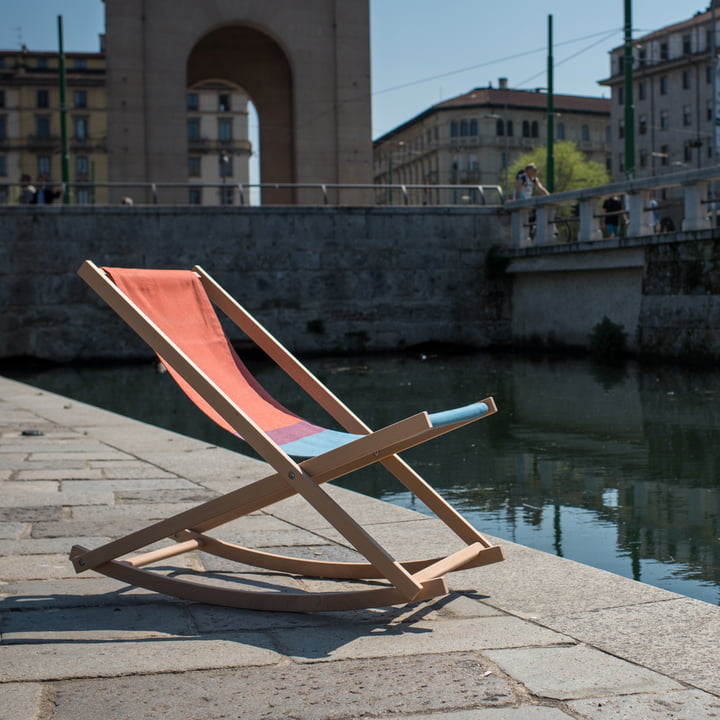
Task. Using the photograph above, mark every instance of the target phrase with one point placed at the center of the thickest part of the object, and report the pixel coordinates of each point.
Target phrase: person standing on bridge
(613, 215)
(527, 181)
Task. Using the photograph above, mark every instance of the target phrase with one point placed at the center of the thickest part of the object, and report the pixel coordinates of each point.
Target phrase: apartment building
(473, 139)
(30, 130)
(30, 133)
(672, 86)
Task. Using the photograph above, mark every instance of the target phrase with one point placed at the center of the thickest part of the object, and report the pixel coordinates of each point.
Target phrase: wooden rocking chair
(172, 311)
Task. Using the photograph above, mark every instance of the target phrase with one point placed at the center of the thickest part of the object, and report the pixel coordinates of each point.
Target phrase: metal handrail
(383, 191)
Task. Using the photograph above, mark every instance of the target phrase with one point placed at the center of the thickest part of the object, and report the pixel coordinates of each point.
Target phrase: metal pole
(715, 139)
(62, 81)
(550, 179)
(629, 102)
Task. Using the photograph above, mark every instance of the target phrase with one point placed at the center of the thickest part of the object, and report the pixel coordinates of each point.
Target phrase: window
(525, 129)
(3, 128)
(42, 126)
(585, 133)
(643, 158)
(83, 196)
(500, 128)
(709, 111)
(642, 124)
(621, 129)
(664, 120)
(42, 63)
(193, 102)
(193, 128)
(80, 64)
(227, 195)
(463, 128)
(687, 152)
(664, 53)
(82, 166)
(224, 102)
(663, 85)
(687, 115)
(686, 79)
(560, 131)
(535, 129)
(80, 98)
(621, 95)
(225, 129)
(2, 98)
(3, 165)
(80, 127)
(509, 128)
(642, 57)
(474, 127)
(42, 98)
(641, 91)
(44, 165)
(195, 196)
(687, 44)
(664, 155)
(194, 166)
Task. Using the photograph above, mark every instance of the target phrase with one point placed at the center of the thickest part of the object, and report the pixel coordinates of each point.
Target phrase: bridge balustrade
(577, 216)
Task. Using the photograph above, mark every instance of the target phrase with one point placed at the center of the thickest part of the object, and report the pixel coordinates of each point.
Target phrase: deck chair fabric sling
(172, 310)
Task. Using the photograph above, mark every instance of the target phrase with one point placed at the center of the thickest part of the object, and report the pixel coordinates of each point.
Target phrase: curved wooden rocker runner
(172, 310)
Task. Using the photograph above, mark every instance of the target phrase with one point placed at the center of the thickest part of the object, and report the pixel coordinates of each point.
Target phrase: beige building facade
(30, 132)
(473, 139)
(217, 145)
(674, 76)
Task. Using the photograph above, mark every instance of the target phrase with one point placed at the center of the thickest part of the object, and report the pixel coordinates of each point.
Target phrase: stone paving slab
(535, 637)
(561, 672)
(679, 705)
(377, 688)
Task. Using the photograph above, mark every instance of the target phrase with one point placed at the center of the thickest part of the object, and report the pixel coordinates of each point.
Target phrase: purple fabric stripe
(296, 431)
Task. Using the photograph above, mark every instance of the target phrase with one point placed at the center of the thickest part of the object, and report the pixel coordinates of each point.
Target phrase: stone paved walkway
(535, 637)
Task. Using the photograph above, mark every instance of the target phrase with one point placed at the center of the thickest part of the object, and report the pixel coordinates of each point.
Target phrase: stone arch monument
(305, 66)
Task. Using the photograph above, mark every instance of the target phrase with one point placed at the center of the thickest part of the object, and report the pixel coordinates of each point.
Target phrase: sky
(426, 51)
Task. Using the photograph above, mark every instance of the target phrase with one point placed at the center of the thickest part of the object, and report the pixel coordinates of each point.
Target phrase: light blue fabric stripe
(468, 412)
(319, 443)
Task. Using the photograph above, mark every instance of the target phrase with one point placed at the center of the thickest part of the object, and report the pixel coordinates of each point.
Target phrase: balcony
(43, 142)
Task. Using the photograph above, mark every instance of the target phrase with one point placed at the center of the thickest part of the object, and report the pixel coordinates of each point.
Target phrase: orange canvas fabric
(176, 302)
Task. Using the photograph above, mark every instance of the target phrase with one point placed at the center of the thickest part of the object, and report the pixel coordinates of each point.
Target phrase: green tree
(573, 171)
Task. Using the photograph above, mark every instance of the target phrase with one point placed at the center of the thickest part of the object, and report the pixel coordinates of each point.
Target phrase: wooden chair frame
(406, 581)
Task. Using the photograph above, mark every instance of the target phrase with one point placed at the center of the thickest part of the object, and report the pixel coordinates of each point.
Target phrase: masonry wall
(321, 279)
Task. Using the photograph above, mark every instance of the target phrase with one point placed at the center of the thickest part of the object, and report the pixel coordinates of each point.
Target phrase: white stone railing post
(589, 229)
(696, 217)
(638, 204)
(543, 234)
(520, 230)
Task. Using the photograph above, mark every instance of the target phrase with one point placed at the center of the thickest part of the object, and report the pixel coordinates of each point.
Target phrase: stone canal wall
(323, 279)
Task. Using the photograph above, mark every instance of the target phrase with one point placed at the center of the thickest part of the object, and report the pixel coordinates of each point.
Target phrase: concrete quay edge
(536, 636)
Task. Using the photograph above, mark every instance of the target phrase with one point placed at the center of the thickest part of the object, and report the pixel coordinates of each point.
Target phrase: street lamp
(224, 165)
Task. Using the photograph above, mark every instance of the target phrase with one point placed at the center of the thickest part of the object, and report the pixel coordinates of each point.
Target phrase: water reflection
(613, 468)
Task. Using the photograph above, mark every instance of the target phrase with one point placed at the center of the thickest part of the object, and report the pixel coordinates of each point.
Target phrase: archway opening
(254, 65)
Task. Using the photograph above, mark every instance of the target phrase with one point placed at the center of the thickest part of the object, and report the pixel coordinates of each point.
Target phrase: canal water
(618, 468)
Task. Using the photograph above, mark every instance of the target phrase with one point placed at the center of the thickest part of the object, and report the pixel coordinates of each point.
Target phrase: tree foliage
(573, 171)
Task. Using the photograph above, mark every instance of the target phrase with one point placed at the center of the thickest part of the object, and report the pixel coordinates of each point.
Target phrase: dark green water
(618, 469)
